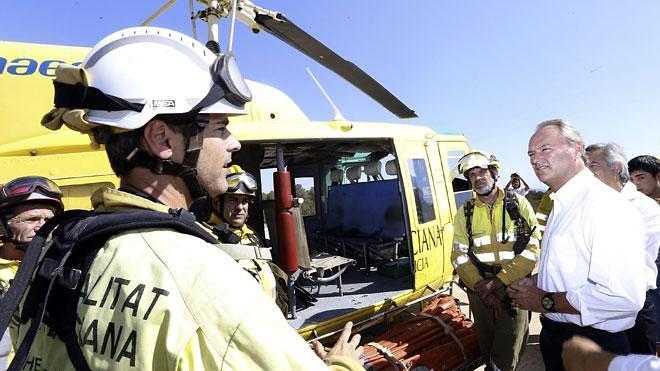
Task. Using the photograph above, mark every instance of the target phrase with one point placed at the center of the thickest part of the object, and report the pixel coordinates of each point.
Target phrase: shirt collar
(572, 190)
(629, 191)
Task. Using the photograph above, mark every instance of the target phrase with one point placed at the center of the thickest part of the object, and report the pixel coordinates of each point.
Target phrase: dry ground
(531, 360)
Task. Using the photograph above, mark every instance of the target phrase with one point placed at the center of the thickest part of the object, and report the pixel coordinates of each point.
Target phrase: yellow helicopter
(375, 235)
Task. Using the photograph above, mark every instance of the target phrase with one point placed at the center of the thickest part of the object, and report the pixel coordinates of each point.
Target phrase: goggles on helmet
(241, 183)
(228, 83)
(21, 188)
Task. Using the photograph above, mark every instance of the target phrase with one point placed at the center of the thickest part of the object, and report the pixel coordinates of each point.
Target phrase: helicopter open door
(425, 219)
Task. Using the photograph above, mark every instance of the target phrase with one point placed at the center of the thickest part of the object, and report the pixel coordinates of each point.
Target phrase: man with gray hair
(608, 163)
(592, 250)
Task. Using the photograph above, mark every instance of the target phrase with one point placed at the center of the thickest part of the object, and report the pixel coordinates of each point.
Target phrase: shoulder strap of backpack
(523, 232)
(482, 267)
(68, 259)
(10, 301)
(468, 210)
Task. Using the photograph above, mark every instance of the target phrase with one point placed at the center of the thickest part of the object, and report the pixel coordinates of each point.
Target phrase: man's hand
(582, 354)
(343, 346)
(487, 286)
(526, 295)
(493, 302)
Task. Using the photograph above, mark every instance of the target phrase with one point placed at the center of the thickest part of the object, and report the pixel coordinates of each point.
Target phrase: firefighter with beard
(495, 244)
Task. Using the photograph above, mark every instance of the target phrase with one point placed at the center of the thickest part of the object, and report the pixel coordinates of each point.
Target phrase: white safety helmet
(472, 159)
(160, 71)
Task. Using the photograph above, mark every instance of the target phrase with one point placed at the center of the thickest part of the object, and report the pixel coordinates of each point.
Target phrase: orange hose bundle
(440, 338)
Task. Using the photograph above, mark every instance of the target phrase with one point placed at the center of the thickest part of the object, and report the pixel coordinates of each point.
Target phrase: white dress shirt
(635, 362)
(593, 249)
(650, 213)
(521, 191)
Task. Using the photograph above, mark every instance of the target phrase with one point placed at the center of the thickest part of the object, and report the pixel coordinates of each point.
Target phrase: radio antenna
(231, 26)
(337, 114)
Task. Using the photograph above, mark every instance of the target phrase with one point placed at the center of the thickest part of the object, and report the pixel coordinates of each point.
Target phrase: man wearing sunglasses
(25, 205)
(156, 298)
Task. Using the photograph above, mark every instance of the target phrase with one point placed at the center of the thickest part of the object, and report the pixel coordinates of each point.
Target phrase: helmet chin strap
(187, 170)
(19, 245)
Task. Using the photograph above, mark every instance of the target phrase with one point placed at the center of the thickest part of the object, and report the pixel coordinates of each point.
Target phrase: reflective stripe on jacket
(488, 246)
(543, 211)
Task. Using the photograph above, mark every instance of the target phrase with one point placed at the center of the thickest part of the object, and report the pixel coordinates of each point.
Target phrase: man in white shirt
(592, 251)
(517, 185)
(582, 354)
(608, 163)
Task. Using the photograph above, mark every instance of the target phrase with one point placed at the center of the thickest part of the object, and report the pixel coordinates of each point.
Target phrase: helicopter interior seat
(366, 220)
(317, 267)
(390, 168)
(354, 173)
(372, 170)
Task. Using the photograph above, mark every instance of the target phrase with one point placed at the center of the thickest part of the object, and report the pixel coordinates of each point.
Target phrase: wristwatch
(548, 302)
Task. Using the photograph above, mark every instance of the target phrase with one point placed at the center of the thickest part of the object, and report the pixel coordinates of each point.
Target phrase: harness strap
(483, 268)
(523, 232)
(79, 235)
(248, 252)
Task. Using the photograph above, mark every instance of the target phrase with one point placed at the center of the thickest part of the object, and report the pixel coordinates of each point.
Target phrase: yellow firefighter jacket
(488, 246)
(258, 264)
(158, 299)
(8, 269)
(543, 211)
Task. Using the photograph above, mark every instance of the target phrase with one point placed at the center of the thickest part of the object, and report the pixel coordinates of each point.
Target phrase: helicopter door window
(421, 190)
(461, 187)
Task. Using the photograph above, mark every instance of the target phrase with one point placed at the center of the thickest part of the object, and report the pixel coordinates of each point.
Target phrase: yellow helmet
(241, 182)
(474, 159)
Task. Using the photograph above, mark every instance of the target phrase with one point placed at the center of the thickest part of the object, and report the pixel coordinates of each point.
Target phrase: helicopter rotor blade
(287, 31)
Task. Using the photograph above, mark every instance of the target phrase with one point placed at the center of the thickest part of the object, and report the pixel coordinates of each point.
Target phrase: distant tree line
(534, 198)
(308, 207)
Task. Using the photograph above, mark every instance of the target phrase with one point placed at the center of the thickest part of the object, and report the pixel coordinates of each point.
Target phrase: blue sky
(491, 70)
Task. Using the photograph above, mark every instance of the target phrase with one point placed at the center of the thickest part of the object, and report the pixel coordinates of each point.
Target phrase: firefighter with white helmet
(495, 244)
(157, 298)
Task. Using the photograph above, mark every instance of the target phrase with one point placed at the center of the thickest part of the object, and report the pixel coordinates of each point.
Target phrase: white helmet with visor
(137, 73)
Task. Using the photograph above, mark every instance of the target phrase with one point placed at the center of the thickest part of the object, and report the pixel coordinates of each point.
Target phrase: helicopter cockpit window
(422, 190)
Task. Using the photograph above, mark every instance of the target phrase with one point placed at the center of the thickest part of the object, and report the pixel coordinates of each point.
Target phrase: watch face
(547, 303)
